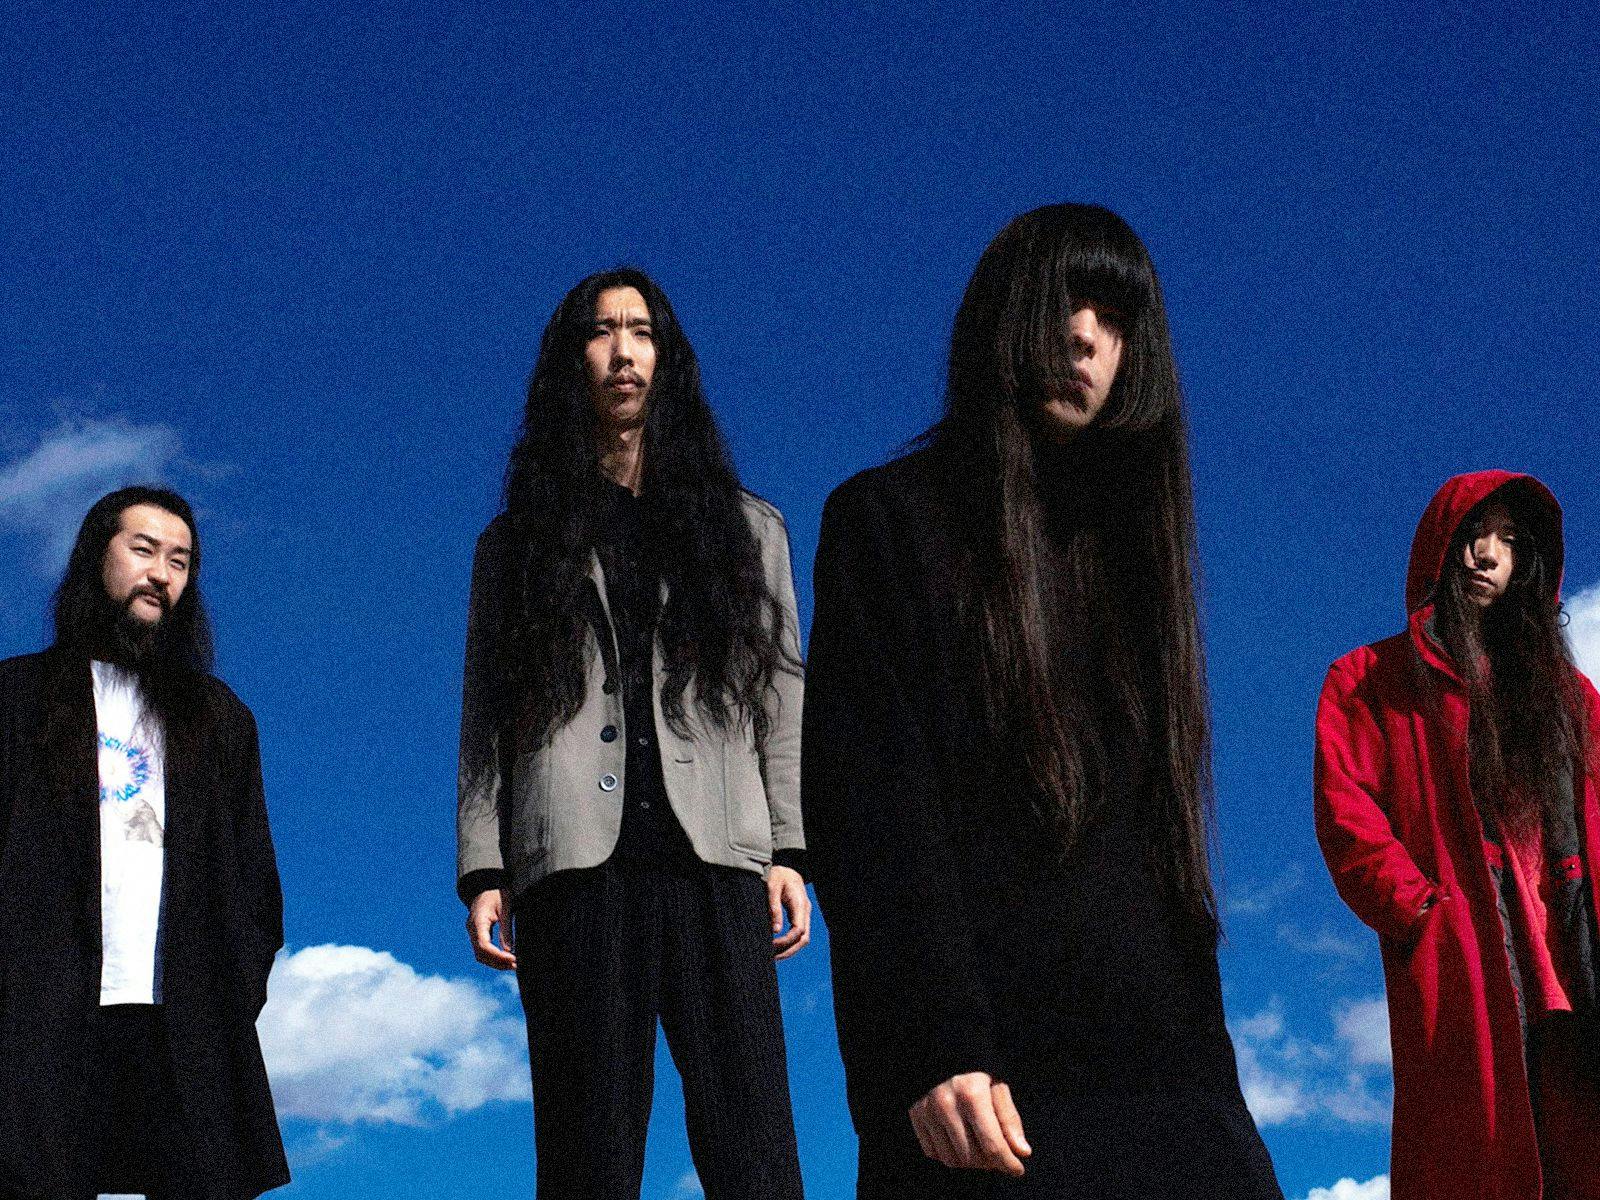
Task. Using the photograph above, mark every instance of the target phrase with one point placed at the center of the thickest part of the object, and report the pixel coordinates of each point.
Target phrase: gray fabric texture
(558, 807)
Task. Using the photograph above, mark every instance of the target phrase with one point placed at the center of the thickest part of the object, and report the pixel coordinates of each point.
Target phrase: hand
(487, 911)
(970, 1121)
(786, 891)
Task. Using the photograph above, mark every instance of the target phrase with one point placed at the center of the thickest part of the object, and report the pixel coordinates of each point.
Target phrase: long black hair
(1527, 728)
(171, 661)
(1084, 555)
(721, 628)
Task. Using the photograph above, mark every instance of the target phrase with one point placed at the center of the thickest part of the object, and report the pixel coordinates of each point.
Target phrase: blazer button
(608, 734)
(608, 782)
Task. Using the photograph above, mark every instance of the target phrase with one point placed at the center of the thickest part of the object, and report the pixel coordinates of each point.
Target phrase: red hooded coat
(1399, 829)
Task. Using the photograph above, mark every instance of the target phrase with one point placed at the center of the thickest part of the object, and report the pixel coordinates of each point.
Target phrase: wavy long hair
(172, 661)
(721, 629)
(1528, 728)
(1088, 551)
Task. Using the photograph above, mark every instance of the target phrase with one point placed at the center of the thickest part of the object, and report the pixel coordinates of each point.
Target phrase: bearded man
(139, 887)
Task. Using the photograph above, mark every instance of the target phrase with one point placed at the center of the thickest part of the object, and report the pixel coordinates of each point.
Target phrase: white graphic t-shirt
(133, 820)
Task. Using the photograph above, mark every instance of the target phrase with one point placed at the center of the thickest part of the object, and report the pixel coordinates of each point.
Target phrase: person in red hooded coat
(1456, 789)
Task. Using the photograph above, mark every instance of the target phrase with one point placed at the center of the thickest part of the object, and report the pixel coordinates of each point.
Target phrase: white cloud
(1288, 1078)
(688, 1187)
(47, 492)
(1376, 1188)
(1583, 629)
(1256, 897)
(352, 1034)
(1363, 1026)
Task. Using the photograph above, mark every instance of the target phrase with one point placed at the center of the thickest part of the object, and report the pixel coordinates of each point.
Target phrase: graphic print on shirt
(124, 772)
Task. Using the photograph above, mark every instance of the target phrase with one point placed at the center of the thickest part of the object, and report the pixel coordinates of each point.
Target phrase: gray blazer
(559, 806)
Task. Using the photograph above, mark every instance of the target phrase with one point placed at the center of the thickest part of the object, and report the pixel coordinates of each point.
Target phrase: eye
(644, 335)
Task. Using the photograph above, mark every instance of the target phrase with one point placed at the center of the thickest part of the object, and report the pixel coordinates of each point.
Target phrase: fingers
(970, 1122)
(483, 916)
(786, 891)
(990, 1148)
(938, 1126)
(775, 899)
(1005, 1110)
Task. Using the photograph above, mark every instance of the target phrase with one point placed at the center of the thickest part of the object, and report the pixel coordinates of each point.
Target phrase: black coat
(222, 925)
(960, 942)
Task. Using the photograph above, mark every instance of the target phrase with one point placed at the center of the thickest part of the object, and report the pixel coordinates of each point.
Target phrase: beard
(128, 640)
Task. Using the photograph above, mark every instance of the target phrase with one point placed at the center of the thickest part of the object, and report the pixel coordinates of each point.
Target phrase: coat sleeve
(1371, 868)
(780, 752)
(912, 1009)
(259, 890)
(478, 777)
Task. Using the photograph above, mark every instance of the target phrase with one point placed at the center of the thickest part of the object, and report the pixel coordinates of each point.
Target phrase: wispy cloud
(1256, 897)
(46, 492)
(688, 1188)
(1288, 1078)
(1376, 1188)
(1583, 629)
(1324, 943)
(354, 1035)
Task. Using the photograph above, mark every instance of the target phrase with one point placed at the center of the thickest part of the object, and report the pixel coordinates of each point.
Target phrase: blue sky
(296, 261)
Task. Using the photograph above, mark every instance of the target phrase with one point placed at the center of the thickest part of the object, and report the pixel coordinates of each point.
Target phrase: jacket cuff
(794, 859)
(474, 883)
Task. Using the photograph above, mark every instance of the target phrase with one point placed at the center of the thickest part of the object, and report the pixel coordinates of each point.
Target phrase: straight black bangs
(1058, 259)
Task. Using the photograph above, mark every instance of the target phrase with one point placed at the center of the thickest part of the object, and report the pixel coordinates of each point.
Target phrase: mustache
(156, 594)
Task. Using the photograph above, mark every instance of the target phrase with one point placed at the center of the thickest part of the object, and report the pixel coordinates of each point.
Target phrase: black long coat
(222, 925)
(959, 941)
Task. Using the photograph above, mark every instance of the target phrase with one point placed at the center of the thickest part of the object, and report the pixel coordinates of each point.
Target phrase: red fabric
(1545, 982)
(1399, 830)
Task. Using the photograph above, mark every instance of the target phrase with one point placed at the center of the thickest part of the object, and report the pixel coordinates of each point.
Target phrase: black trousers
(132, 1111)
(601, 955)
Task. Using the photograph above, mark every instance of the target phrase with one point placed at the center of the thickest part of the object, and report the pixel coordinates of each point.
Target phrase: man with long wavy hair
(1457, 771)
(1006, 760)
(139, 928)
(628, 810)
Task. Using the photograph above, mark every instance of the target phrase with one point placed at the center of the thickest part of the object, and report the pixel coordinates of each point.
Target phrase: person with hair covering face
(1456, 777)
(140, 924)
(1006, 761)
(628, 809)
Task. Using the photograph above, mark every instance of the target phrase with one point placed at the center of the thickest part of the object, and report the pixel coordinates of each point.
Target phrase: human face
(620, 359)
(1096, 333)
(146, 564)
(1490, 556)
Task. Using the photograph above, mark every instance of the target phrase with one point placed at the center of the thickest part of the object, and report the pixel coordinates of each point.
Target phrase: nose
(159, 572)
(1085, 332)
(1485, 552)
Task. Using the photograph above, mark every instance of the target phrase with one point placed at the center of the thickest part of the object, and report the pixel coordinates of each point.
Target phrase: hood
(1451, 503)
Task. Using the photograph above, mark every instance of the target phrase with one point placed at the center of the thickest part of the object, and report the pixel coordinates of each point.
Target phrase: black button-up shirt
(651, 832)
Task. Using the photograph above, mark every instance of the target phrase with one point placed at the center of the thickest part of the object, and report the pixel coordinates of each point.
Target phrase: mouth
(625, 383)
(158, 601)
